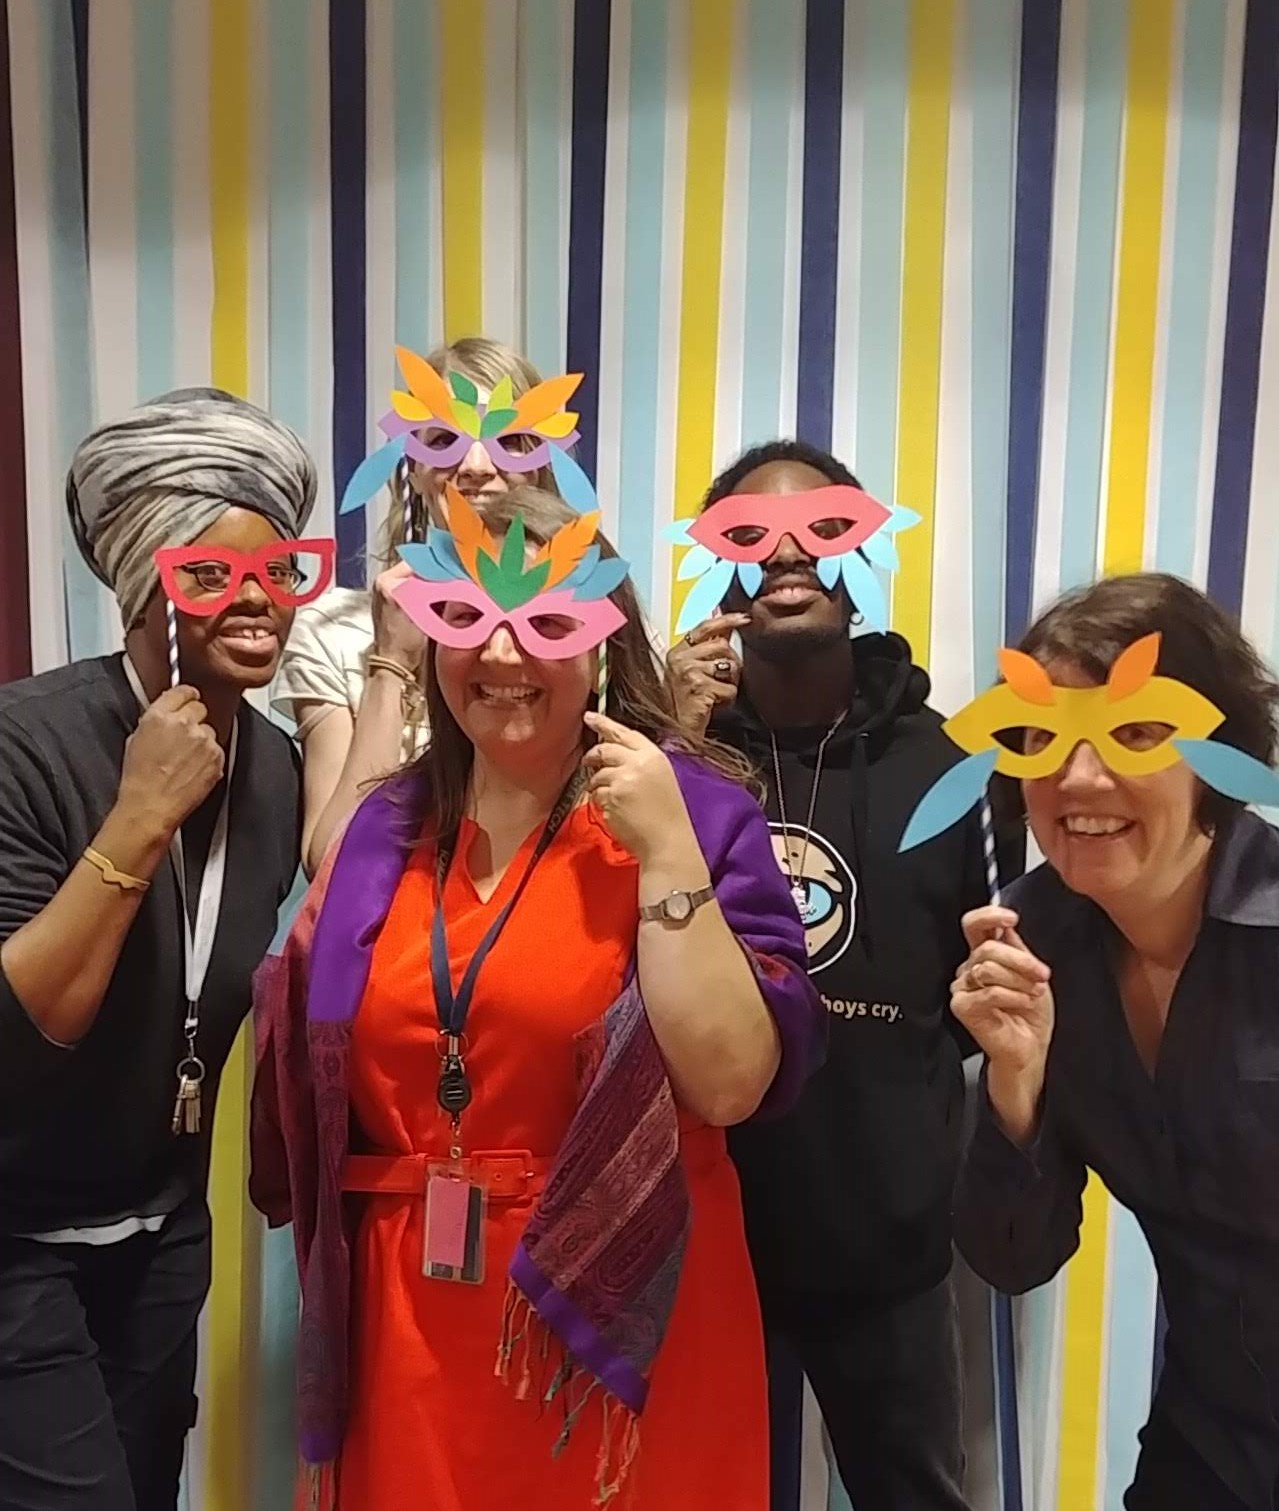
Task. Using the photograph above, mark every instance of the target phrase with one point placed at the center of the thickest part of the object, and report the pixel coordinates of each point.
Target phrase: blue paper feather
(705, 596)
(373, 473)
(1230, 771)
(952, 795)
(576, 489)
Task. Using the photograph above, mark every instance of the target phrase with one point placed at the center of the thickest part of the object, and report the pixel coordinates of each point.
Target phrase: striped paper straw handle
(989, 853)
(601, 684)
(171, 621)
(408, 507)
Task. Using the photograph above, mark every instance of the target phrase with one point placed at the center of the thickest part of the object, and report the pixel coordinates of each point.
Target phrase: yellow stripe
(231, 1360)
(924, 238)
(1085, 1330)
(463, 26)
(710, 51)
(1132, 381)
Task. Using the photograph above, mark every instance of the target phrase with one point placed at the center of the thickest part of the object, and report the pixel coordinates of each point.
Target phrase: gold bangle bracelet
(385, 664)
(112, 875)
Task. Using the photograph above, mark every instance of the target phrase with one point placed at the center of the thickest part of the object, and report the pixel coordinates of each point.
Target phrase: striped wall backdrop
(1016, 263)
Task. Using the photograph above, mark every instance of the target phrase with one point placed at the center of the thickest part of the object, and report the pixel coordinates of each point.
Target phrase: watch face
(678, 907)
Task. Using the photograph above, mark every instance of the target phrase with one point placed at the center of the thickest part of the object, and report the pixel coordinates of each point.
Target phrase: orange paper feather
(1133, 669)
(468, 531)
(1026, 677)
(540, 403)
(426, 383)
(568, 545)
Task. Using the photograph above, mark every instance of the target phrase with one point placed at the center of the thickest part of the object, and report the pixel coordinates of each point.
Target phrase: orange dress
(432, 1428)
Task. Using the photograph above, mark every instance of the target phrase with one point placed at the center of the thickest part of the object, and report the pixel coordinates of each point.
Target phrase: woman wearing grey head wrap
(148, 835)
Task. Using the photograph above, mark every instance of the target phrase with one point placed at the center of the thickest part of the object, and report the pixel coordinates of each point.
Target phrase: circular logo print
(829, 907)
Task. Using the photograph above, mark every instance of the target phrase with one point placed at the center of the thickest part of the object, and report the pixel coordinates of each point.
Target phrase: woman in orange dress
(541, 973)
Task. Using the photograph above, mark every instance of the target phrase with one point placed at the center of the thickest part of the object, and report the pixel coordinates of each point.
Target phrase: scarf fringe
(317, 1487)
(525, 1353)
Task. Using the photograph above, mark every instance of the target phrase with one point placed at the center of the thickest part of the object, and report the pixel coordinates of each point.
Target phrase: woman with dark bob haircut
(1126, 1002)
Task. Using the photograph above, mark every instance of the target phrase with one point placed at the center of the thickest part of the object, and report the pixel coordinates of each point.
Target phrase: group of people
(610, 1074)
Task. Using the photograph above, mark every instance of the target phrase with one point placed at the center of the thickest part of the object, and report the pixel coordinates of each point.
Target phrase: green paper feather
(503, 396)
(496, 421)
(467, 418)
(464, 389)
(507, 592)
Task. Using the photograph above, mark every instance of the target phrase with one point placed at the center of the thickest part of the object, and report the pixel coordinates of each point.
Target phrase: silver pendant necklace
(798, 887)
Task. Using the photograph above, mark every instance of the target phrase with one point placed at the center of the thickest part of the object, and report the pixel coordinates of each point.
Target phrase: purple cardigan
(305, 1002)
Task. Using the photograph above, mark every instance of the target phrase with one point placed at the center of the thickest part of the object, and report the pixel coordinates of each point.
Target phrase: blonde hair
(485, 362)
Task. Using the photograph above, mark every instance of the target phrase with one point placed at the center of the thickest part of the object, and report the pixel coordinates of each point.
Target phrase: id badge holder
(453, 1240)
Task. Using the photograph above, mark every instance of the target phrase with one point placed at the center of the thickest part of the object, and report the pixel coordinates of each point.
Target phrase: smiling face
(792, 614)
(1112, 837)
(239, 646)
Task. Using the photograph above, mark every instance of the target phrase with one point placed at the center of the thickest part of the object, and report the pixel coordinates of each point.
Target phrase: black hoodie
(848, 1197)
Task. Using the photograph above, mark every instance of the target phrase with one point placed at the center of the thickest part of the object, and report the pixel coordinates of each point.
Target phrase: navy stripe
(1245, 303)
(15, 618)
(819, 250)
(80, 40)
(591, 34)
(347, 88)
(1161, 1338)
(1032, 247)
(1006, 1403)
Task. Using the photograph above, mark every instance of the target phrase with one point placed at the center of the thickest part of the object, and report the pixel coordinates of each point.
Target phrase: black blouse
(85, 1136)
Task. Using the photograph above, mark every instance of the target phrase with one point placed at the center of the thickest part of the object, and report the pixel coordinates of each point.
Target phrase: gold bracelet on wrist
(385, 664)
(112, 875)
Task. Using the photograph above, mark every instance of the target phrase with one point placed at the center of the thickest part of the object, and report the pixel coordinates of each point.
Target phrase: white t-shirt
(326, 661)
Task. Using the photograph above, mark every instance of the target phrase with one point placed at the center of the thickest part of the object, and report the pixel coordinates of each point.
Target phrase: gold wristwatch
(676, 907)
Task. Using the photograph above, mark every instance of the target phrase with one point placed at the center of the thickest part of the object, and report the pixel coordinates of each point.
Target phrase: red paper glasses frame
(242, 564)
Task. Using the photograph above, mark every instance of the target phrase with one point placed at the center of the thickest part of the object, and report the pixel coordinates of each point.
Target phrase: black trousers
(97, 1367)
(1171, 1476)
(891, 1393)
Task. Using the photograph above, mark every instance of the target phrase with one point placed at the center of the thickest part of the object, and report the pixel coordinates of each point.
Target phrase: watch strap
(655, 911)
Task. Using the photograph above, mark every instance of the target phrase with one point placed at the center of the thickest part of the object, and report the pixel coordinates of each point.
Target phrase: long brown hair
(486, 362)
(436, 782)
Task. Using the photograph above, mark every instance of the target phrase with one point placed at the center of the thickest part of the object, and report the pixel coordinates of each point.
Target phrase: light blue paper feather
(607, 575)
(576, 489)
(1230, 771)
(700, 559)
(584, 568)
(881, 550)
(705, 596)
(952, 795)
(866, 591)
(677, 533)
(373, 473)
(751, 576)
(828, 571)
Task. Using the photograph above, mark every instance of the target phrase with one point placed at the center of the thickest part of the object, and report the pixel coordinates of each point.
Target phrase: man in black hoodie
(848, 1198)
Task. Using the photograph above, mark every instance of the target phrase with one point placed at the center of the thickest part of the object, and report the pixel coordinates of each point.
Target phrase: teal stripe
(1035, 1321)
(288, 269)
(417, 146)
(87, 608)
(993, 67)
(153, 104)
(543, 66)
(1095, 250)
(775, 38)
(1192, 258)
(1132, 1346)
(641, 321)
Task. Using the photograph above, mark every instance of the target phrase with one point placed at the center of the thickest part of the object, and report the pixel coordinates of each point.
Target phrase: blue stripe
(417, 147)
(1132, 1338)
(153, 96)
(347, 90)
(542, 65)
(1161, 1339)
(885, 68)
(1192, 259)
(1246, 303)
(591, 26)
(774, 35)
(288, 270)
(992, 65)
(642, 305)
(819, 248)
(66, 78)
(1096, 246)
(1032, 246)
(1007, 1418)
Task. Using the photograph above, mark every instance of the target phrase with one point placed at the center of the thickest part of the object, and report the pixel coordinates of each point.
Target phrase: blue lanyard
(453, 1008)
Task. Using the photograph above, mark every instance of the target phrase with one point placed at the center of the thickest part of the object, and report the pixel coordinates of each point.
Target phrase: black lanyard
(453, 1008)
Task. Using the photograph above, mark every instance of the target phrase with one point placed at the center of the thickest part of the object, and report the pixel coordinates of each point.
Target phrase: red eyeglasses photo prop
(204, 580)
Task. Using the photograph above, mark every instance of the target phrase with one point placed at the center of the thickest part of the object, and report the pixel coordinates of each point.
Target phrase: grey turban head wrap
(167, 471)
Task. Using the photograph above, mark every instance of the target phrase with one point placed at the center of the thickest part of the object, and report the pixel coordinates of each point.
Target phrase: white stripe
(1167, 248)
(35, 308)
(1227, 156)
(673, 188)
(258, 333)
(567, 8)
(320, 295)
(950, 654)
(113, 222)
(730, 356)
(1061, 303)
(1261, 564)
(848, 279)
(608, 478)
(503, 180)
(192, 240)
(787, 419)
(381, 273)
